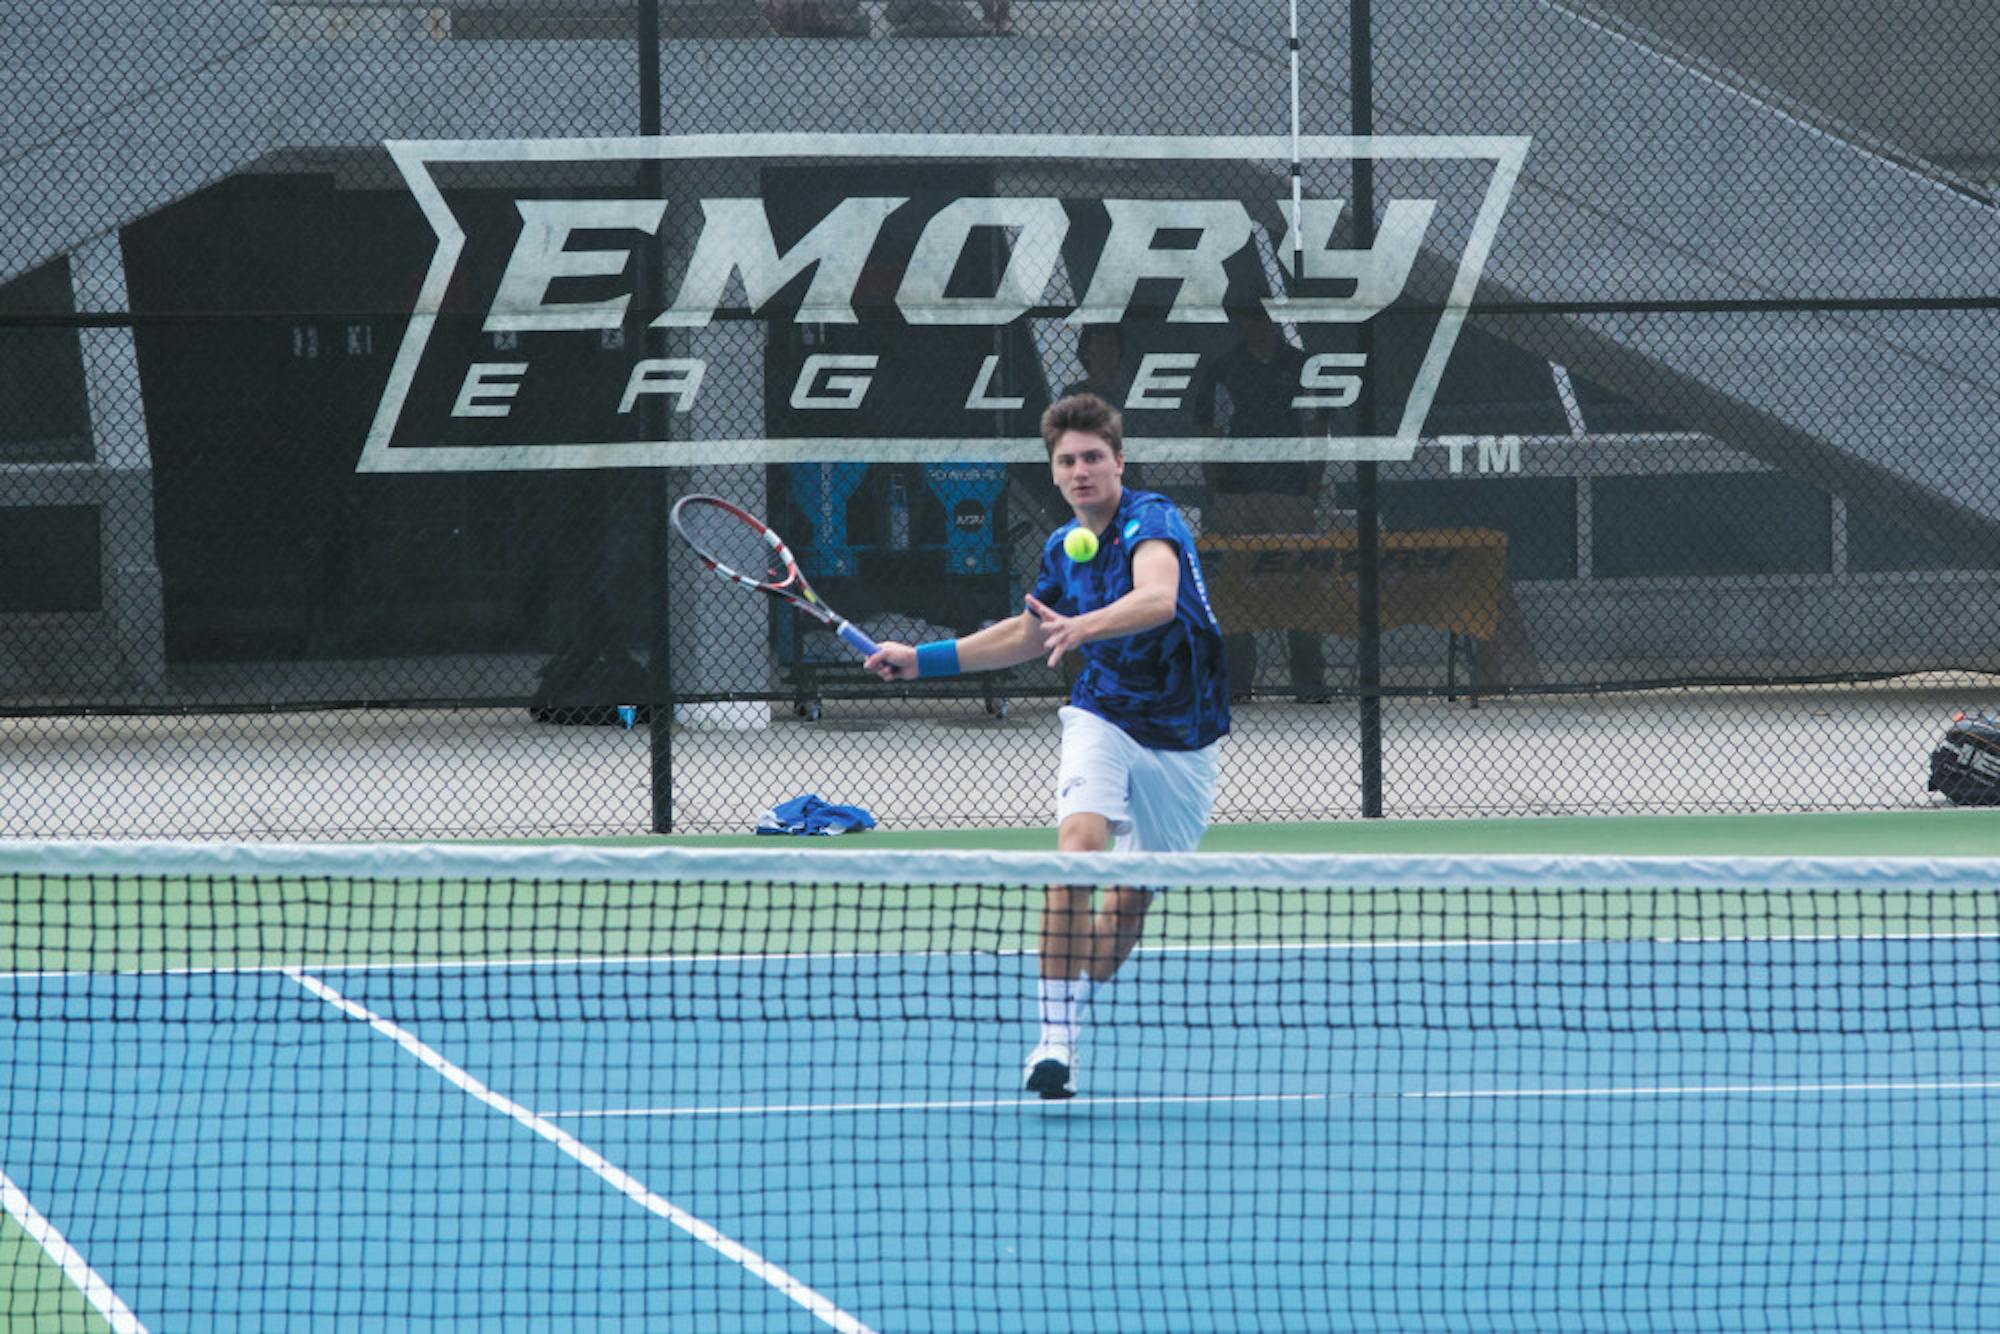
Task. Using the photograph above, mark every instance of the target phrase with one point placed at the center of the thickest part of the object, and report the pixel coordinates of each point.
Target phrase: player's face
(1086, 470)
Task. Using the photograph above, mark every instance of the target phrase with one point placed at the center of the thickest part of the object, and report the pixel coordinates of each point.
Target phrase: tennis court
(753, 1089)
(1577, 422)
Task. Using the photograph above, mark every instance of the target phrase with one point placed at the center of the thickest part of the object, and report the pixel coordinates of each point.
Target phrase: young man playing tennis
(1140, 733)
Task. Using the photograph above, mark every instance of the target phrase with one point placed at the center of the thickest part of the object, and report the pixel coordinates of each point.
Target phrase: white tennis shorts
(1154, 800)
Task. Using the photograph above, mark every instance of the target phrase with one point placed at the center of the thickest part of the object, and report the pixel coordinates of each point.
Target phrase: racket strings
(730, 542)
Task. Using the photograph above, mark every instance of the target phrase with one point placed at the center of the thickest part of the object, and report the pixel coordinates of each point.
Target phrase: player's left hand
(1060, 633)
(893, 661)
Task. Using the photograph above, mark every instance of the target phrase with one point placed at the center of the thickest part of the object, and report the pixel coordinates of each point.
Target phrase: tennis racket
(740, 547)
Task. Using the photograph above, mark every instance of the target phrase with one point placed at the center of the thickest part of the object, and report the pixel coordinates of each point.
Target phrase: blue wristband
(938, 658)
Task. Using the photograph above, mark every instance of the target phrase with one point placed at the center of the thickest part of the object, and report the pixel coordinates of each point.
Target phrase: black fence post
(1367, 520)
(653, 427)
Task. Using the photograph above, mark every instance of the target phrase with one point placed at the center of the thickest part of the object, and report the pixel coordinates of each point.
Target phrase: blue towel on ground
(810, 814)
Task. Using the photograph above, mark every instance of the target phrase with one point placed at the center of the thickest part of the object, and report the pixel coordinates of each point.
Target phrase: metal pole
(1368, 526)
(1298, 241)
(652, 417)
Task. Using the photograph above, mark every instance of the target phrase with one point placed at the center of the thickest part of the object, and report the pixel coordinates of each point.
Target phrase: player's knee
(1067, 899)
(1084, 832)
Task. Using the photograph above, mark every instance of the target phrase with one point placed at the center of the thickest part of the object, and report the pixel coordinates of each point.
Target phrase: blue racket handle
(856, 639)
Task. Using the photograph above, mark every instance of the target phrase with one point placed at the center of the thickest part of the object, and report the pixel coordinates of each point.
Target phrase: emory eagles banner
(600, 303)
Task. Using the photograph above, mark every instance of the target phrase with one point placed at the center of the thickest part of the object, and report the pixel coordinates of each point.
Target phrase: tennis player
(1140, 733)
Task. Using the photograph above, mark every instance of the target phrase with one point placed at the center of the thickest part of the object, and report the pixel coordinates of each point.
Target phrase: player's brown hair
(1087, 413)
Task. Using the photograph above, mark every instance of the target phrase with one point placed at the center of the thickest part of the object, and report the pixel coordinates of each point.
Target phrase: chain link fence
(1582, 407)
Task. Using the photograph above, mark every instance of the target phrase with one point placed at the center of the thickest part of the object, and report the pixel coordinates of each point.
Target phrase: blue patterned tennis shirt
(1167, 688)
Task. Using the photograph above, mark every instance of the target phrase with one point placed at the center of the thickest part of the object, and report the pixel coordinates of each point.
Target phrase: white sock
(1079, 1000)
(1053, 1001)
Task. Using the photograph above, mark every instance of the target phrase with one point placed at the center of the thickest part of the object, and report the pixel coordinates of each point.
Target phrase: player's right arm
(1001, 644)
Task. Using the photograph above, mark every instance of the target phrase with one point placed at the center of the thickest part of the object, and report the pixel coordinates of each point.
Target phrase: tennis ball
(1080, 545)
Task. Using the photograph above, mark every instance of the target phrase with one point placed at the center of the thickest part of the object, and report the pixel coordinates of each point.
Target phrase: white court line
(1210, 1099)
(95, 1290)
(1724, 1090)
(944, 1105)
(631, 1187)
(807, 956)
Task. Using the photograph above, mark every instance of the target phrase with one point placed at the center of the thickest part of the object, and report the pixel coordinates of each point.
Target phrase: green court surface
(31, 1282)
(1942, 832)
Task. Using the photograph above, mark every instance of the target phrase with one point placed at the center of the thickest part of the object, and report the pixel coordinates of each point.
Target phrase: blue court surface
(1789, 1134)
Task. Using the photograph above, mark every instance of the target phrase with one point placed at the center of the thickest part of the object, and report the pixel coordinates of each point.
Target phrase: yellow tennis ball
(1080, 545)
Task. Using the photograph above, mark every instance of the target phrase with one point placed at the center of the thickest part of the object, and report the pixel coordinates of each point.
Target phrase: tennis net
(402, 1087)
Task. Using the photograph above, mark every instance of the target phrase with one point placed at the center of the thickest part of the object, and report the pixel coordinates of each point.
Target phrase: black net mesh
(255, 1086)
